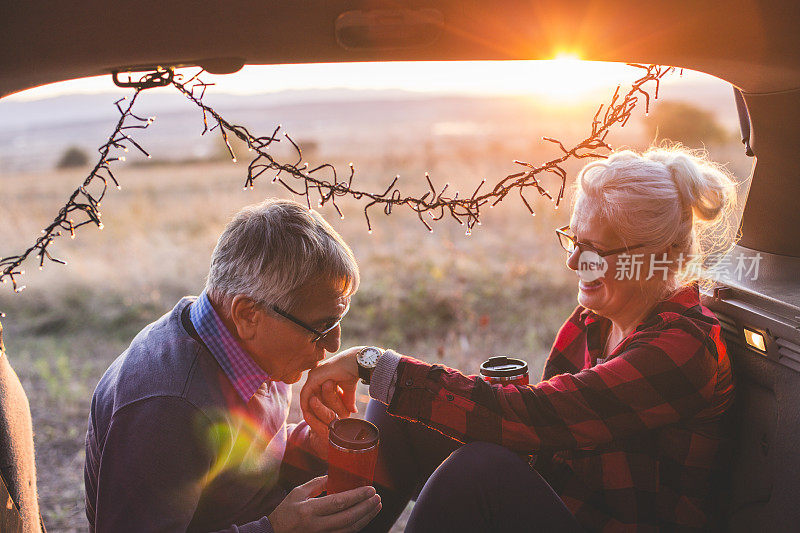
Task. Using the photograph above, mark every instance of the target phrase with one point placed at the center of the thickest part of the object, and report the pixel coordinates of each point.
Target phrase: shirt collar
(244, 374)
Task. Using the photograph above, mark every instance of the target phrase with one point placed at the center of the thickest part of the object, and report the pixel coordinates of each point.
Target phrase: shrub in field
(73, 157)
(685, 123)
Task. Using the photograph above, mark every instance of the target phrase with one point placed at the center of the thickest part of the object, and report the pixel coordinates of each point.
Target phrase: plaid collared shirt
(245, 375)
(629, 444)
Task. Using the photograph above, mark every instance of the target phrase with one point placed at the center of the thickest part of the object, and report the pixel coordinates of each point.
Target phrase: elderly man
(188, 427)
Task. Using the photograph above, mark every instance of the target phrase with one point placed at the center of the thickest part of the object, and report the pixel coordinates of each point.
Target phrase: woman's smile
(589, 286)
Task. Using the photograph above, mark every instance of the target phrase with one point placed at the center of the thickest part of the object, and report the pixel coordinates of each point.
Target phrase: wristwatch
(367, 359)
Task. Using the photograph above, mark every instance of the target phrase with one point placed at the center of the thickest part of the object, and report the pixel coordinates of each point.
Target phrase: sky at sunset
(563, 80)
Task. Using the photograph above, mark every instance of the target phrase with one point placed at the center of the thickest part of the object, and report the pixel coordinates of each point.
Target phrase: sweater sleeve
(152, 467)
(663, 377)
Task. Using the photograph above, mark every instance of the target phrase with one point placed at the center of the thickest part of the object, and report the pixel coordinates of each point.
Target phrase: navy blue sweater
(172, 447)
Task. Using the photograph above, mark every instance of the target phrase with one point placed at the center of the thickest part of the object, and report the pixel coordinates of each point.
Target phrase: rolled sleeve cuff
(381, 384)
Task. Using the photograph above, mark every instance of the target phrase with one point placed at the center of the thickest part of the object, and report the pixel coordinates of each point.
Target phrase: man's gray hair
(269, 251)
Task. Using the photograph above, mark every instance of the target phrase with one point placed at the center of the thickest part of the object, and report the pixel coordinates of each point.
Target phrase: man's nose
(572, 259)
(332, 340)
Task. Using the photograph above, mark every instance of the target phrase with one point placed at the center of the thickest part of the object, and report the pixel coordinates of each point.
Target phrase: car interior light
(755, 340)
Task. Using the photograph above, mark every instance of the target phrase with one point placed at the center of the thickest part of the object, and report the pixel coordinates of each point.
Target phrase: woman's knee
(484, 458)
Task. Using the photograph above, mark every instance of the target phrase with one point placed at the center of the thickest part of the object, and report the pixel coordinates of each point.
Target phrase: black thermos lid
(502, 367)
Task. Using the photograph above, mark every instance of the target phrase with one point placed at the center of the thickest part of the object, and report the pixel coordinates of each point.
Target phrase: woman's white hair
(269, 251)
(667, 198)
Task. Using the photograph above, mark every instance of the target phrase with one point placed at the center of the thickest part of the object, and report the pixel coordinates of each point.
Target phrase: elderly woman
(624, 432)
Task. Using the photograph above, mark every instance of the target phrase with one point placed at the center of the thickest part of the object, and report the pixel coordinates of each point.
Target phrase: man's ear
(246, 316)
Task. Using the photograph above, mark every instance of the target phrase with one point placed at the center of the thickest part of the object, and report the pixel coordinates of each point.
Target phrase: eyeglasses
(570, 243)
(318, 335)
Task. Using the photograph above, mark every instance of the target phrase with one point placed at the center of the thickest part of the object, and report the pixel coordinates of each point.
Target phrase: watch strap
(365, 373)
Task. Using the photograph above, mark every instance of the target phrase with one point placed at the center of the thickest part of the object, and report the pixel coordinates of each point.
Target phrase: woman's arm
(661, 377)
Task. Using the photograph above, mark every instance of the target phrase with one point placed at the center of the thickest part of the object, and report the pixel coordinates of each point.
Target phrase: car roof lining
(752, 44)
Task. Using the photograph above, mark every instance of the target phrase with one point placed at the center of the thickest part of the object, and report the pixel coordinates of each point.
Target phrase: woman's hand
(346, 511)
(330, 388)
(318, 437)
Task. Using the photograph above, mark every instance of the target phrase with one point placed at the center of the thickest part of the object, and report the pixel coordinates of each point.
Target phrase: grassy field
(441, 296)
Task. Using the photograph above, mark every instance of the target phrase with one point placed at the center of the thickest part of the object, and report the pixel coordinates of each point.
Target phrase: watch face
(369, 357)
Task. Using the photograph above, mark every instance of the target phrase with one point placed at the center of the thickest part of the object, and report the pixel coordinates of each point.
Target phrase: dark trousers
(474, 487)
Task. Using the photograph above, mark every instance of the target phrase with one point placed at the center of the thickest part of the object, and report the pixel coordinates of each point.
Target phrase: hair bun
(702, 186)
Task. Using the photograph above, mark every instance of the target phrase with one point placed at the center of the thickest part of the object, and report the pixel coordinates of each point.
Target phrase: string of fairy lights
(322, 184)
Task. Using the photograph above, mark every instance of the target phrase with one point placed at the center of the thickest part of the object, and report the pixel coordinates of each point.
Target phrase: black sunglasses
(570, 243)
(317, 334)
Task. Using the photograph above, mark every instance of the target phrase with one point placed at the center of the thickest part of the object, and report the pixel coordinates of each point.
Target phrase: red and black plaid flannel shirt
(630, 444)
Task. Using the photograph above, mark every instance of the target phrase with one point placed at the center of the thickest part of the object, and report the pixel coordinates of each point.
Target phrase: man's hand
(346, 511)
(330, 387)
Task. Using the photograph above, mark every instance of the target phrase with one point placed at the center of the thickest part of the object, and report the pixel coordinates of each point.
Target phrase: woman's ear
(246, 316)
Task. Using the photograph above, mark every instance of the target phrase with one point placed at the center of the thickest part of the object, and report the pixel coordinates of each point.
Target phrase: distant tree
(685, 123)
(309, 146)
(73, 157)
